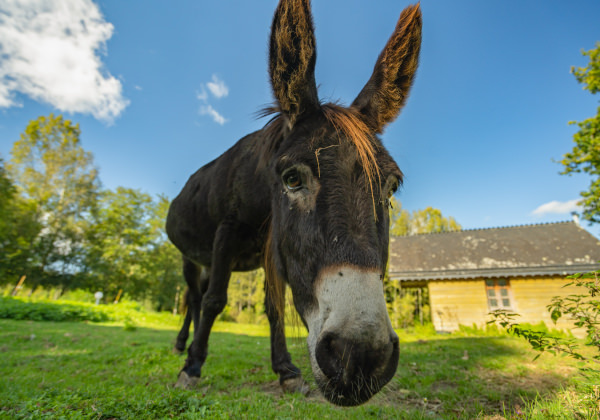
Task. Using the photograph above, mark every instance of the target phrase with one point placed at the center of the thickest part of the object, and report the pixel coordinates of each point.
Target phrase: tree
(246, 296)
(7, 191)
(164, 262)
(18, 228)
(404, 304)
(585, 156)
(399, 219)
(118, 242)
(428, 220)
(128, 250)
(58, 227)
(50, 168)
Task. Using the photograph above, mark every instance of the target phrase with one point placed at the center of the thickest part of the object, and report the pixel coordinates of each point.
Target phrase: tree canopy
(428, 220)
(585, 156)
(57, 178)
(18, 229)
(60, 228)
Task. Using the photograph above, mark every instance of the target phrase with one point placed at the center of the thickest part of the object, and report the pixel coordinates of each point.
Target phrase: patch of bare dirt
(274, 388)
(533, 380)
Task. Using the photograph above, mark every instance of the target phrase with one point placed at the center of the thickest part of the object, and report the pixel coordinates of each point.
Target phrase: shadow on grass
(470, 376)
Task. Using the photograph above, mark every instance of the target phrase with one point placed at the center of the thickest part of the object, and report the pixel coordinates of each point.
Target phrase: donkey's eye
(388, 201)
(292, 180)
(391, 191)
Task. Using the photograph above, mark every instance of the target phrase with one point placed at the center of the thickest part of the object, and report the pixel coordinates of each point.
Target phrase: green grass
(87, 370)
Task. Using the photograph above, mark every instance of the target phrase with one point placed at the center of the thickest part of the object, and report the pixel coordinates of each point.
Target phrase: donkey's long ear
(292, 57)
(386, 91)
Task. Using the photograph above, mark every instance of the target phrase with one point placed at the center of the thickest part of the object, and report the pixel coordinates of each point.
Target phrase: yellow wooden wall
(464, 302)
(455, 302)
(532, 295)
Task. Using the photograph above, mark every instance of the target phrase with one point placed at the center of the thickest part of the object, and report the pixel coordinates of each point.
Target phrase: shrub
(584, 310)
(478, 331)
(16, 308)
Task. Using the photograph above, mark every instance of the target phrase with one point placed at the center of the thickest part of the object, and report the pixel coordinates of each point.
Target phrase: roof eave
(563, 270)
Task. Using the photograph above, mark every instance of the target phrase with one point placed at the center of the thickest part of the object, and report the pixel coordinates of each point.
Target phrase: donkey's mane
(348, 122)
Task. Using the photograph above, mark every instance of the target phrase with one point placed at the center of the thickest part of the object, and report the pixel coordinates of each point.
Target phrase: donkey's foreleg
(197, 280)
(213, 302)
(184, 333)
(290, 377)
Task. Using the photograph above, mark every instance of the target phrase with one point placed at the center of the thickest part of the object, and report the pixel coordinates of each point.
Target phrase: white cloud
(50, 51)
(557, 207)
(210, 111)
(202, 95)
(217, 87)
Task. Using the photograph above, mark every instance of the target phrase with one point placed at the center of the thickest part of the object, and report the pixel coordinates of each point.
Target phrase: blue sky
(161, 88)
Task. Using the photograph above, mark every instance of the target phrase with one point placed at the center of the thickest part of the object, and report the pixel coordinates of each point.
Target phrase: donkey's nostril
(343, 360)
(330, 355)
(395, 341)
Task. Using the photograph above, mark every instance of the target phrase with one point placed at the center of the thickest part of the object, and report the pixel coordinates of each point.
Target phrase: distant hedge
(14, 308)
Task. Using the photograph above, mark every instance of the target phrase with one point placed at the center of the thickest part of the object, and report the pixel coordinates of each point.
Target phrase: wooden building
(472, 272)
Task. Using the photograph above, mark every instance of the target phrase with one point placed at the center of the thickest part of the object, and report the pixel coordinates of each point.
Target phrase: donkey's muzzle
(354, 371)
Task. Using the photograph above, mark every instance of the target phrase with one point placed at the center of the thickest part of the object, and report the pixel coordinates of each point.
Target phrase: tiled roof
(530, 250)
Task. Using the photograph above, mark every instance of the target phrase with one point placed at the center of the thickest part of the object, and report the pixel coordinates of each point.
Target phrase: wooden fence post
(19, 285)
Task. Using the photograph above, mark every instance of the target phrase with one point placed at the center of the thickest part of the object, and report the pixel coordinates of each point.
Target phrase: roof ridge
(529, 225)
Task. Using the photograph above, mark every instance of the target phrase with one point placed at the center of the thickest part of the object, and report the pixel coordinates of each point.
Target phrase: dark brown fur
(306, 193)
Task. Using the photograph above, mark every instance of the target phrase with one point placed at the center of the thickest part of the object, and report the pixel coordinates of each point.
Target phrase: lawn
(126, 370)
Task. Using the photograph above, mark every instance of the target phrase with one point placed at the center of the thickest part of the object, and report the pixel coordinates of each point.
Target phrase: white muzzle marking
(351, 304)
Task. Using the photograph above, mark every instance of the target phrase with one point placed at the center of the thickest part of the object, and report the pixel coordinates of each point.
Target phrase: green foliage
(585, 156)
(128, 250)
(59, 228)
(407, 307)
(18, 229)
(129, 324)
(7, 192)
(13, 308)
(163, 262)
(589, 75)
(51, 170)
(245, 298)
(477, 331)
(129, 313)
(584, 310)
(428, 220)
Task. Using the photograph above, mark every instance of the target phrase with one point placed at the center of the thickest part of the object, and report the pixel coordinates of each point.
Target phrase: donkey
(307, 199)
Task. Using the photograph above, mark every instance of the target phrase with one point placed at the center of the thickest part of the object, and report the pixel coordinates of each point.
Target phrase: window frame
(497, 285)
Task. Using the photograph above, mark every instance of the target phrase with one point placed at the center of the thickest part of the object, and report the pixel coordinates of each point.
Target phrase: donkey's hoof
(296, 384)
(184, 381)
(177, 351)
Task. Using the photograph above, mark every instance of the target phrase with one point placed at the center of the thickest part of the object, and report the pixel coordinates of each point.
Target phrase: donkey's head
(332, 180)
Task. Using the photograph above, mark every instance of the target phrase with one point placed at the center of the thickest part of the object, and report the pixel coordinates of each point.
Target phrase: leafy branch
(583, 309)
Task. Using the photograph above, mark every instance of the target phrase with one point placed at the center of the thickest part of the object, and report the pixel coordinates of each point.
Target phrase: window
(497, 294)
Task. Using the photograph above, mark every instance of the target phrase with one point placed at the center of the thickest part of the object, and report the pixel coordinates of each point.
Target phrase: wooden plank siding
(464, 302)
(455, 302)
(533, 295)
